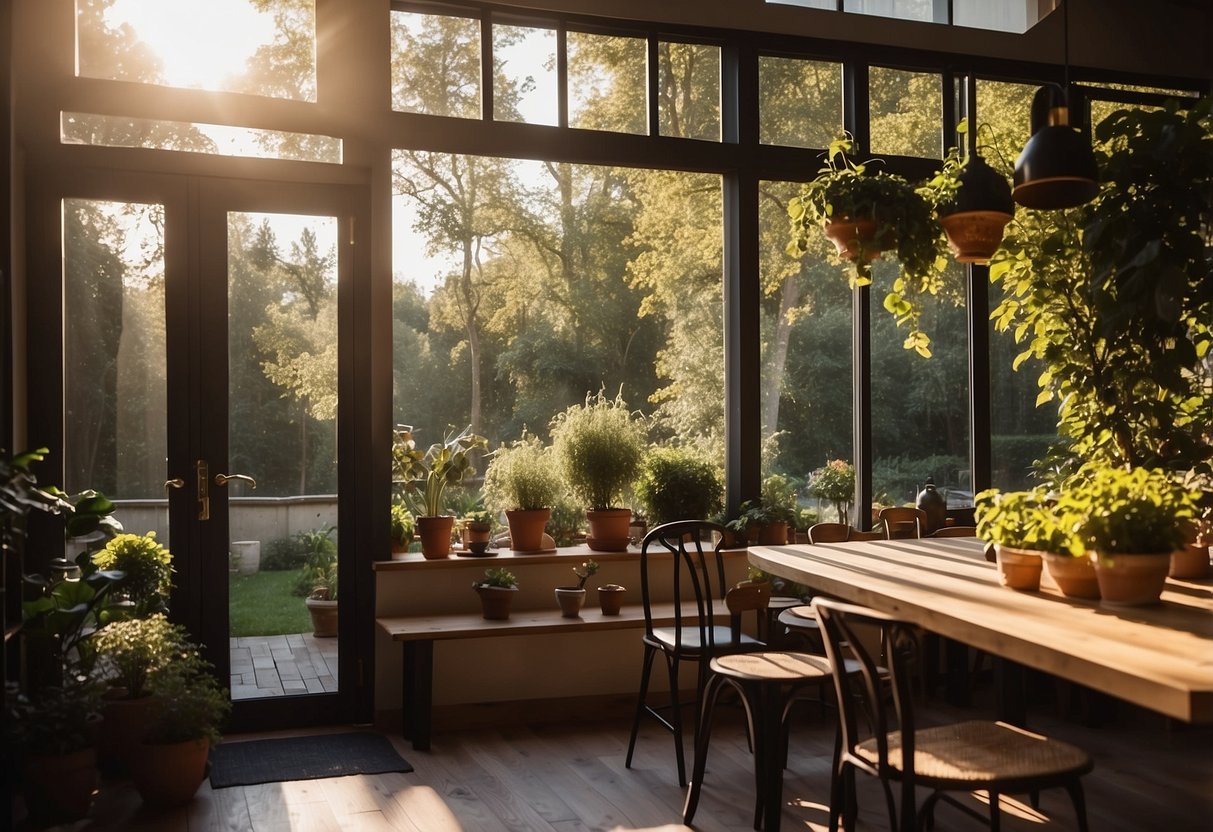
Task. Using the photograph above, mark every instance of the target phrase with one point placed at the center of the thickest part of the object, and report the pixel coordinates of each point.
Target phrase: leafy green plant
(835, 482)
(588, 568)
(324, 582)
(779, 498)
(599, 445)
(424, 475)
(192, 704)
(566, 522)
(481, 520)
(678, 484)
(130, 653)
(522, 475)
(1129, 512)
(499, 577)
(904, 221)
(1025, 520)
(282, 554)
(147, 569)
(321, 560)
(53, 720)
(402, 526)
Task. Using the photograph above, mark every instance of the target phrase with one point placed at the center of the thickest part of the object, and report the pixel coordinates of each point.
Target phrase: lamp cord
(1065, 34)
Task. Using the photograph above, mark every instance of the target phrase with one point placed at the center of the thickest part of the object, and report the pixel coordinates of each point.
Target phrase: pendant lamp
(1057, 166)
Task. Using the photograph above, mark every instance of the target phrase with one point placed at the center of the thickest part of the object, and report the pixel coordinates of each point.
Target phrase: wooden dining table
(1158, 656)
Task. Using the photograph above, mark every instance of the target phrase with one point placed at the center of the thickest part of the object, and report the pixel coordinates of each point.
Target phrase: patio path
(285, 665)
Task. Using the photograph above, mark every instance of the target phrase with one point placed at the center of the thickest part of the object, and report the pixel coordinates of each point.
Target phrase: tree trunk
(772, 381)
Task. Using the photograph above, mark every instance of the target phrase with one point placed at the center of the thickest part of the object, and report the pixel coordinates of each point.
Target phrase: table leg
(417, 692)
(1010, 682)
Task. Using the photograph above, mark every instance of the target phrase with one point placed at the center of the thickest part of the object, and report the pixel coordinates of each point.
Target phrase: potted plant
(610, 598)
(51, 732)
(129, 654)
(834, 482)
(171, 762)
(973, 202)
(401, 530)
(599, 445)
(522, 480)
(496, 590)
(477, 531)
(571, 598)
(678, 484)
(147, 569)
(321, 601)
(865, 212)
(1025, 527)
(424, 477)
(1131, 521)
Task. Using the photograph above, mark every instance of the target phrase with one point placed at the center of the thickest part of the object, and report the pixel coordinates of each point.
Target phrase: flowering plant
(835, 481)
(590, 567)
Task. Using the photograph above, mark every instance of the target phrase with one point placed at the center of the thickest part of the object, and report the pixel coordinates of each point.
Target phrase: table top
(1158, 656)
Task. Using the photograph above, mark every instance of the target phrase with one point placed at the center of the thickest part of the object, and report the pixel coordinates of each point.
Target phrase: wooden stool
(766, 683)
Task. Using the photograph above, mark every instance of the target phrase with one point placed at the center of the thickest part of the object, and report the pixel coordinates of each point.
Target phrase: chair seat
(772, 666)
(802, 617)
(663, 638)
(970, 754)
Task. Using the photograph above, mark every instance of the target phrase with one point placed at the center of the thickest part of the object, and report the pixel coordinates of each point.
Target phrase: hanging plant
(973, 203)
(867, 212)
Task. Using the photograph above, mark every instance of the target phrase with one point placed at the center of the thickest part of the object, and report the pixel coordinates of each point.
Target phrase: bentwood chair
(677, 560)
(879, 735)
(903, 522)
(954, 531)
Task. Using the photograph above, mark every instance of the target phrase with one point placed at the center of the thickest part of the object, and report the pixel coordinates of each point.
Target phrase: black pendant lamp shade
(982, 189)
(1057, 167)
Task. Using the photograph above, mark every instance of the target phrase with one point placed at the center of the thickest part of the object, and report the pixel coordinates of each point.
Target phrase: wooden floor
(571, 778)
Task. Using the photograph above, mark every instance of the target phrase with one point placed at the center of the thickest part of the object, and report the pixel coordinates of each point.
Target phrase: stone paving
(286, 665)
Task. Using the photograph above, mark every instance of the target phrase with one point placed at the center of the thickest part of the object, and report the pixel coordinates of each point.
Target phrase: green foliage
(522, 475)
(566, 523)
(424, 476)
(147, 569)
(320, 562)
(835, 482)
(904, 221)
(1116, 299)
(678, 484)
(1129, 512)
(1025, 520)
(58, 618)
(54, 720)
(402, 526)
(130, 653)
(588, 568)
(779, 498)
(282, 554)
(599, 445)
(192, 704)
(499, 577)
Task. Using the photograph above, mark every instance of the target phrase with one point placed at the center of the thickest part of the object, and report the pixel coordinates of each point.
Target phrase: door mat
(302, 758)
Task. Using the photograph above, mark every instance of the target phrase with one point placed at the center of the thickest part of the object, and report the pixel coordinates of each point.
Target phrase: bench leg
(417, 686)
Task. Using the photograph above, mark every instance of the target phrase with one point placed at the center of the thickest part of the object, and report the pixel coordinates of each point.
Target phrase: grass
(262, 605)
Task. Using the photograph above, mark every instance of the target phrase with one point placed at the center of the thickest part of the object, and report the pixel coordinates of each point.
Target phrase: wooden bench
(417, 634)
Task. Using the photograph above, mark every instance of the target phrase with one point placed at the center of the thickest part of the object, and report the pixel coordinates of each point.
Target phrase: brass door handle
(175, 482)
(223, 479)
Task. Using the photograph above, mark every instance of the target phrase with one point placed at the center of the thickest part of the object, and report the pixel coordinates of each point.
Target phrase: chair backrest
(746, 596)
(848, 632)
(954, 531)
(695, 570)
(857, 535)
(829, 533)
(903, 522)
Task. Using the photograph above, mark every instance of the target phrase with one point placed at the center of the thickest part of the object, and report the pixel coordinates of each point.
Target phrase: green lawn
(262, 605)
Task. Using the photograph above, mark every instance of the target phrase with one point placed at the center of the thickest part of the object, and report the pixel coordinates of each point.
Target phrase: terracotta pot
(435, 534)
(1075, 577)
(856, 239)
(974, 236)
(610, 598)
(60, 787)
(570, 599)
(170, 774)
(526, 528)
(1019, 568)
(773, 534)
(733, 540)
(1191, 561)
(495, 601)
(399, 551)
(1131, 580)
(609, 529)
(324, 617)
(123, 724)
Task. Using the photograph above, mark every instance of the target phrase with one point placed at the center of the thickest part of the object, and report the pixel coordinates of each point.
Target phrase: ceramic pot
(324, 617)
(974, 236)
(1131, 580)
(610, 598)
(1075, 577)
(609, 529)
(169, 774)
(526, 528)
(856, 239)
(60, 787)
(495, 601)
(1191, 561)
(1019, 568)
(435, 534)
(570, 599)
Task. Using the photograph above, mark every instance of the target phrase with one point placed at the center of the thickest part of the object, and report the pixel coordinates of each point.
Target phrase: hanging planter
(974, 205)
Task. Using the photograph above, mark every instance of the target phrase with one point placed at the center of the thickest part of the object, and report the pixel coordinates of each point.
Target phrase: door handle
(202, 470)
(224, 479)
(175, 482)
